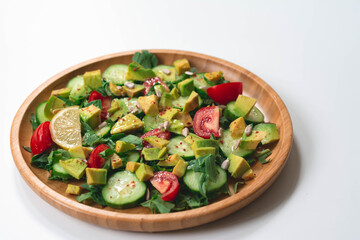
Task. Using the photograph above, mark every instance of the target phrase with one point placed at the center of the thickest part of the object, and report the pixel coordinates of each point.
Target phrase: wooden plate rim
(61, 202)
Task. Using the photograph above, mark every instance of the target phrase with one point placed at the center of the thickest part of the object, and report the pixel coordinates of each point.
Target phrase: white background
(308, 51)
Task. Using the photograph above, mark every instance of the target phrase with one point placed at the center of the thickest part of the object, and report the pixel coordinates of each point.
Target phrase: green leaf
(28, 149)
(40, 160)
(146, 59)
(263, 155)
(68, 103)
(93, 194)
(157, 205)
(96, 103)
(132, 139)
(34, 122)
(236, 186)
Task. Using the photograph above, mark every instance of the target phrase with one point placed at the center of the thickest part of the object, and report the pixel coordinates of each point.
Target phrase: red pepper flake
(177, 146)
(132, 182)
(136, 68)
(109, 188)
(110, 196)
(257, 132)
(189, 123)
(221, 141)
(180, 142)
(129, 98)
(127, 185)
(184, 149)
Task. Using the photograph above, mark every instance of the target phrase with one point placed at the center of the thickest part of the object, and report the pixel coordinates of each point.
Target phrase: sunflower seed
(147, 194)
(166, 125)
(203, 87)
(222, 106)
(134, 110)
(56, 111)
(166, 71)
(225, 164)
(129, 85)
(221, 131)
(248, 130)
(189, 73)
(236, 146)
(138, 105)
(101, 125)
(158, 93)
(161, 126)
(185, 132)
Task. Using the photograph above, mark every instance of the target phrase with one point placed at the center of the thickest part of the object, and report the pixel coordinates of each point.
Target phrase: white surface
(308, 51)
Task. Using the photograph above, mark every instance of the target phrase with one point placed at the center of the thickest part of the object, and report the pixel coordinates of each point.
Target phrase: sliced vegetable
(225, 93)
(41, 139)
(167, 184)
(206, 122)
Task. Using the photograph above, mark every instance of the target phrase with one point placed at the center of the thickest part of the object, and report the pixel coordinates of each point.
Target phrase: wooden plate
(139, 218)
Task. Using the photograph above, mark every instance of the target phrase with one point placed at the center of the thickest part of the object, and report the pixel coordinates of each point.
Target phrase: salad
(163, 137)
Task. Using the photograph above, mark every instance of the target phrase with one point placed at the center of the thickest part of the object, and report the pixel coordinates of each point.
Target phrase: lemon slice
(65, 128)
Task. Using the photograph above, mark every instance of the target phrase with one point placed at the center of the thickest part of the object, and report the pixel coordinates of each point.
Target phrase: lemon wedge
(65, 128)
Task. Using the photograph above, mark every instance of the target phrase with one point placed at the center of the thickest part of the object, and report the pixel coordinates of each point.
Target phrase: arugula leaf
(250, 160)
(224, 122)
(104, 89)
(93, 194)
(34, 122)
(68, 103)
(133, 140)
(96, 103)
(146, 59)
(196, 200)
(55, 156)
(157, 205)
(263, 155)
(28, 149)
(40, 160)
(236, 186)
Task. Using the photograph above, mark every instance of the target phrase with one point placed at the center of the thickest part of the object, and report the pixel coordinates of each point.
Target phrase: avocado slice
(237, 127)
(138, 72)
(93, 79)
(213, 76)
(159, 143)
(186, 87)
(185, 118)
(52, 104)
(176, 126)
(192, 102)
(175, 93)
(244, 104)
(251, 142)
(117, 91)
(91, 115)
(165, 101)
(180, 168)
(238, 166)
(126, 124)
(204, 151)
(169, 113)
(73, 189)
(96, 176)
(181, 66)
(62, 92)
(272, 133)
(171, 161)
(149, 105)
(132, 166)
(150, 154)
(134, 92)
(124, 146)
(116, 161)
(191, 138)
(75, 167)
(144, 172)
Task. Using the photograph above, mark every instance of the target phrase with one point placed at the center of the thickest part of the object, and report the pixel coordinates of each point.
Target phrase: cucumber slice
(191, 180)
(40, 112)
(226, 143)
(177, 145)
(116, 73)
(200, 82)
(152, 122)
(103, 131)
(59, 171)
(158, 70)
(75, 82)
(133, 156)
(254, 116)
(124, 190)
(179, 102)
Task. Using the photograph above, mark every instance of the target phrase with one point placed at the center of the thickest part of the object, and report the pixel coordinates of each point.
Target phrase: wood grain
(139, 218)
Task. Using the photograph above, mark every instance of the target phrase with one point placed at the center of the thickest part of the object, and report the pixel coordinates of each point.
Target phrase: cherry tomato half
(105, 103)
(157, 133)
(225, 93)
(206, 121)
(95, 160)
(41, 139)
(167, 184)
(151, 81)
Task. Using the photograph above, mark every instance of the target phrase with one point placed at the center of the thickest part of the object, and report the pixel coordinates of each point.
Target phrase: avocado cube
(75, 167)
(52, 104)
(150, 154)
(204, 151)
(149, 105)
(116, 161)
(238, 166)
(244, 104)
(144, 172)
(251, 142)
(165, 101)
(79, 91)
(62, 92)
(181, 66)
(115, 105)
(185, 118)
(138, 72)
(77, 152)
(159, 143)
(213, 76)
(132, 166)
(272, 133)
(175, 93)
(180, 168)
(186, 87)
(116, 90)
(134, 92)
(73, 189)
(93, 79)
(171, 161)
(87, 151)
(162, 153)
(237, 127)
(191, 138)
(206, 143)
(169, 113)
(192, 102)
(96, 176)
(249, 174)
(124, 146)
(176, 126)
(91, 115)
(126, 124)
